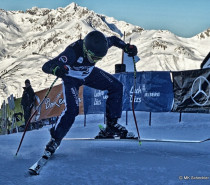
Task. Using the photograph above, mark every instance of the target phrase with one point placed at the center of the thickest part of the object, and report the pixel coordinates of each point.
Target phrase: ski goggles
(90, 55)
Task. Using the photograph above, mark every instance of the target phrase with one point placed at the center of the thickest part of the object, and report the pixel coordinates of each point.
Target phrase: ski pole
(133, 100)
(29, 120)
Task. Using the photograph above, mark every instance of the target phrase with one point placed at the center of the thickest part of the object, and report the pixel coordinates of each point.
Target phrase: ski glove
(60, 71)
(131, 50)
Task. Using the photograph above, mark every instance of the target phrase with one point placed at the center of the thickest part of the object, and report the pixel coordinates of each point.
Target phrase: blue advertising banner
(153, 93)
(94, 100)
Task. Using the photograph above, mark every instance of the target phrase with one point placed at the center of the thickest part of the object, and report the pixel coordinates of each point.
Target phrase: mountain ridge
(28, 39)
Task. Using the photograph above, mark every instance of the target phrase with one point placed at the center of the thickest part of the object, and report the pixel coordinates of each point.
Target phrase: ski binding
(37, 166)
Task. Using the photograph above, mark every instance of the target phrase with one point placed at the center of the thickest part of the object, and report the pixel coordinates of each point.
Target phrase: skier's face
(90, 55)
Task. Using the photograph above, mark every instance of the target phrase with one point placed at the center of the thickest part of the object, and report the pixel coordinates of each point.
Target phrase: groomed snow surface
(114, 162)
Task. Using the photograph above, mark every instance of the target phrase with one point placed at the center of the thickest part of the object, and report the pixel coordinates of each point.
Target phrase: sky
(185, 18)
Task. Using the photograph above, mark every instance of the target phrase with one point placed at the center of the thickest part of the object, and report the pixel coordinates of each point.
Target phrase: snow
(28, 39)
(114, 162)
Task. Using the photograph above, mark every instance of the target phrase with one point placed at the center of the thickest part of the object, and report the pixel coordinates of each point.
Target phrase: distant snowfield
(105, 162)
(29, 39)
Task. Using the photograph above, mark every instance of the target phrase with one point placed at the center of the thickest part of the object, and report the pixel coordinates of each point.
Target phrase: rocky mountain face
(30, 38)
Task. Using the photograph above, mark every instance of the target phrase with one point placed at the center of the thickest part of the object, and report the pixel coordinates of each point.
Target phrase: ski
(137, 140)
(37, 166)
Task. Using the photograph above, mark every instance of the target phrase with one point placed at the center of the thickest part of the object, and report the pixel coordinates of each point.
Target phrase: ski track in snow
(113, 162)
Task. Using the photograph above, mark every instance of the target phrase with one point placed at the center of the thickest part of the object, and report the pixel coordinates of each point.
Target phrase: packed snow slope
(114, 162)
(30, 38)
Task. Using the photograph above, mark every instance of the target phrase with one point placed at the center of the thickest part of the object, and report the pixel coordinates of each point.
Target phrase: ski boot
(112, 130)
(52, 145)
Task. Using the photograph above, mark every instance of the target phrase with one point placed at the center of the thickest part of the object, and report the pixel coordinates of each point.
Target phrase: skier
(76, 66)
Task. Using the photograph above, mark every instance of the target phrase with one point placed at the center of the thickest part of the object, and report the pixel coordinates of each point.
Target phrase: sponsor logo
(80, 60)
(63, 59)
(75, 95)
(200, 91)
(99, 96)
(49, 104)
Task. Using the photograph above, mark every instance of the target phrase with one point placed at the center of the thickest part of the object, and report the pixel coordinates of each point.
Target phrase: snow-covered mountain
(30, 38)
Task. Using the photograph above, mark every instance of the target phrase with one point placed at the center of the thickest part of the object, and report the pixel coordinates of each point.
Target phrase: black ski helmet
(95, 45)
(27, 81)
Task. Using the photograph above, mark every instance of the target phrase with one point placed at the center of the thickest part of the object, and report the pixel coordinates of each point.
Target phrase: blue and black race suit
(82, 72)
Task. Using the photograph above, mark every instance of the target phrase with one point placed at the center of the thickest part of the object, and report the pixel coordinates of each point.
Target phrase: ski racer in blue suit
(76, 66)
